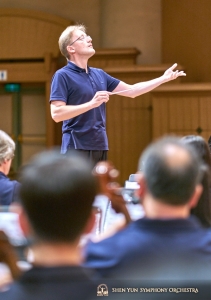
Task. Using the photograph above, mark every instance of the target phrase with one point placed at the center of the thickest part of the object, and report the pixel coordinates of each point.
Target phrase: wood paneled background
(186, 27)
(135, 42)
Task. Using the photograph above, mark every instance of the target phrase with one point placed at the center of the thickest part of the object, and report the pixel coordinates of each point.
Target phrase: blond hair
(66, 36)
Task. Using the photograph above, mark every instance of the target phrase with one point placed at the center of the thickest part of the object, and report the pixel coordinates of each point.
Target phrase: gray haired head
(7, 147)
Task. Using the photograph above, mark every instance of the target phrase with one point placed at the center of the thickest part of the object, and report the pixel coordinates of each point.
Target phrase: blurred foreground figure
(168, 243)
(56, 195)
(203, 209)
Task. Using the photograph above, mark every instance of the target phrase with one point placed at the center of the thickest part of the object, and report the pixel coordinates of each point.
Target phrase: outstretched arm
(140, 88)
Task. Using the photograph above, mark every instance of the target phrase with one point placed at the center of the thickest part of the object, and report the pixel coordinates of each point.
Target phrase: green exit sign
(12, 87)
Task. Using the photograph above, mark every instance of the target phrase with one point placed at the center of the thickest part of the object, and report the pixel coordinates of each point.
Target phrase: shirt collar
(2, 174)
(76, 68)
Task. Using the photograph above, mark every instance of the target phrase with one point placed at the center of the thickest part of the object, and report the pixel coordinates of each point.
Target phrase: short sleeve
(59, 88)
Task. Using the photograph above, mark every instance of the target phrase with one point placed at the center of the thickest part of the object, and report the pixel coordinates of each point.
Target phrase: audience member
(203, 209)
(8, 188)
(56, 196)
(201, 147)
(209, 143)
(167, 243)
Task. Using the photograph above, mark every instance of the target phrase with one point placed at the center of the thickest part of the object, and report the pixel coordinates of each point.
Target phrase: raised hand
(170, 74)
(99, 98)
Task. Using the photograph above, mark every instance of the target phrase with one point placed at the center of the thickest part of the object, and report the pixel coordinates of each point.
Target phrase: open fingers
(181, 73)
(177, 74)
(173, 67)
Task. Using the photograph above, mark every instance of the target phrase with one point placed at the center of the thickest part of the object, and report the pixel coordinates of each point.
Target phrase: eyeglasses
(81, 38)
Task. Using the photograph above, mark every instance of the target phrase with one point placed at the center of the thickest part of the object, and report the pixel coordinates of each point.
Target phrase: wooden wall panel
(114, 57)
(204, 115)
(29, 34)
(183, 112)
(129, 131)
(160, 115)
(6, 113)
(185, 109)
(29, 48)
(186, 39)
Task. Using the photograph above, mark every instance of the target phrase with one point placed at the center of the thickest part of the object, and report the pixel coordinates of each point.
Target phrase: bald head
(171, 170)
(175, 156)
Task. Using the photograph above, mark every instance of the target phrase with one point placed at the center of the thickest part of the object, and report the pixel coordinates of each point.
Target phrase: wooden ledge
(117, 51)
(184, 87)
(141, 68)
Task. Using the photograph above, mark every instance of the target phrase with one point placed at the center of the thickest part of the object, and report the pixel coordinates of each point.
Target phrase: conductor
(79, 94)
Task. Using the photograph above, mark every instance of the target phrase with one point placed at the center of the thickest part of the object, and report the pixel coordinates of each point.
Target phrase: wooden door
(23, 117)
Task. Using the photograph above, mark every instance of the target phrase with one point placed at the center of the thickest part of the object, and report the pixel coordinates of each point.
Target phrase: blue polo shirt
(74, 86)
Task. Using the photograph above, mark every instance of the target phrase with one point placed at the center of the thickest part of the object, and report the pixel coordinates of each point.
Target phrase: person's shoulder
(72, 281)
(106, 255)
(205, 235)
(61, 71)
(99, 71)
(118, 241)
(5, 180)
(96, 70)
(61, 75)
(14, 183)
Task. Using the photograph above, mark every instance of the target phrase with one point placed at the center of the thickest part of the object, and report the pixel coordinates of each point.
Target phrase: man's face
(7, 165)
(82, 44)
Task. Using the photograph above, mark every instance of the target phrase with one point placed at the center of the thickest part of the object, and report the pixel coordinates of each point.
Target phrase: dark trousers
(94, 156)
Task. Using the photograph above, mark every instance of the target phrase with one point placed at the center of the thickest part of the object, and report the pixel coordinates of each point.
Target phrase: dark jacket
(154, 249)
(53, 283)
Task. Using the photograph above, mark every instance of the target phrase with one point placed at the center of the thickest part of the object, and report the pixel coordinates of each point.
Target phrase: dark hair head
(200, 146)
(57, 193)
(171, 170)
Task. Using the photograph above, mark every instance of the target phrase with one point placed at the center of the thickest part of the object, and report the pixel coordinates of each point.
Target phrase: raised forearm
(144, 87)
